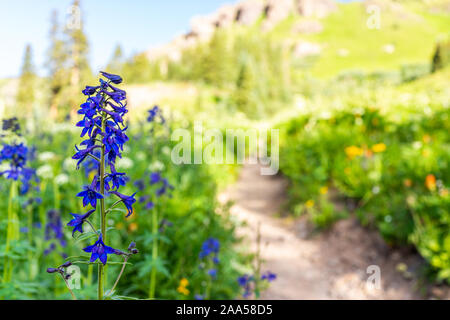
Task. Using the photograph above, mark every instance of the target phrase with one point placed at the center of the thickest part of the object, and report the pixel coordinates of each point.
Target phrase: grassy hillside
(410, 29)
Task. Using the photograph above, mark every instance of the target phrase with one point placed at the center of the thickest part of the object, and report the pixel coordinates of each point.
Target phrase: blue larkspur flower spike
(16, 155)
(165, 186)
(210, 246)
(269, 276)
(244, 282)
(78, 220)
(100, 251)
(155, 113)
(104, 134)
(155, 177)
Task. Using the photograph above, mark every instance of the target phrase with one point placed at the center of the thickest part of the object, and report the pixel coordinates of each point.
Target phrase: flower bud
(132, 245)
(66, 264)
(134, 251)
(52, 270)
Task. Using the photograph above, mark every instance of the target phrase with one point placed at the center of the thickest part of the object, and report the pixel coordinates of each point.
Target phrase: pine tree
(25, 95)
(115, 65)
(56, 65)
(80, 71)
(245, 93)
(138, 69)
(217, 65)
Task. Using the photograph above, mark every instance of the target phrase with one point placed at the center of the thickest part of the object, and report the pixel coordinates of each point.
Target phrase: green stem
(208, 286)
(10, 233)
(68, 287)
(258, 261)
(120, 275)
(101, 269)
(92, 226)
(152, 288)
(30, 241)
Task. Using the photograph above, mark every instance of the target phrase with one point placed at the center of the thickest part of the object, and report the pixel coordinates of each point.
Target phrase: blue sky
(135, 24)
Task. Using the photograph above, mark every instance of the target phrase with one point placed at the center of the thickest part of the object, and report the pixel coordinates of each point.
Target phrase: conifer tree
(245, 93)
(217, 63)
(115, 65)
(26, 92)
(56, 64)
(80, 71)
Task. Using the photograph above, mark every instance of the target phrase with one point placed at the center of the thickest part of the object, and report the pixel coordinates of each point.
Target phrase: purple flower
(81, 155)
(112, 77)
(210, 246)
(100, 251)
(17, 155)
(116, 178)
(243, 280)
(128, 201)
(90, 196)
(143, 198)
(212, 273)
(89, 90)
(153, 113)
(155, 177)
(269, 276)
(78, 220)
(90, 107)
(166, 186)
(140, 184)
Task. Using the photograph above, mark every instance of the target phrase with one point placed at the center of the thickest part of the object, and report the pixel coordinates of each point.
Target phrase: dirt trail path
(327, 265)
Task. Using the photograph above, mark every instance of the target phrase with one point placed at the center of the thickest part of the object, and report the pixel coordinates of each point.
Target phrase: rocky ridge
(245, 12)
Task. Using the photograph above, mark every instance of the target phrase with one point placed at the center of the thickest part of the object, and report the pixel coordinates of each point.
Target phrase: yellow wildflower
(309, 203)
(324, 190)
(353, 151)
(182, 287)
(379, 147)
(183, 290)
(184, 282)
(426, 153)
(133, 227)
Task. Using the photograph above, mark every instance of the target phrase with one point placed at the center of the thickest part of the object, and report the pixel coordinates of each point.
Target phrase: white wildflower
(45, 172)
(70, 164)
(156, 166)
(61, 179)
(125, 163)
(46, 156)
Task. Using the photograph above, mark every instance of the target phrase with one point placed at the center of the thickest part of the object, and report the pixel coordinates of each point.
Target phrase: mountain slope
(332, 37)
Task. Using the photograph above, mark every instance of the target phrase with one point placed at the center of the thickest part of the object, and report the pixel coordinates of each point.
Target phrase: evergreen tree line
(256, 70)
(67, 67)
